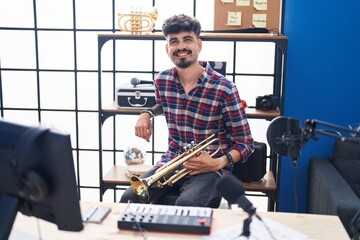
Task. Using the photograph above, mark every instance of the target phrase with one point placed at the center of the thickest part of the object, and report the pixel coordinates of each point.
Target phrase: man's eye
(189, 39)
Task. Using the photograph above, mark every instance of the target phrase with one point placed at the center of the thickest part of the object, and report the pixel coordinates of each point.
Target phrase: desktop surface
(314, 226)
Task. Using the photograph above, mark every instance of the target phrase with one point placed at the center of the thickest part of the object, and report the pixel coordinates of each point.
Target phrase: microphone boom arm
(310, 131)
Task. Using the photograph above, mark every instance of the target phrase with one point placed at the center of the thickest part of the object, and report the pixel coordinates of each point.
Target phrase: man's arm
(157, 110)
(143, 127)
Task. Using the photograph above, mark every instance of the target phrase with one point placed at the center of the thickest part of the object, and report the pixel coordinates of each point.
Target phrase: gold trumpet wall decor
(138, 21)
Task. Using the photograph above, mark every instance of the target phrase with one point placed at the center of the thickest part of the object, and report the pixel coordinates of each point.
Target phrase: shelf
(280, 40)
(251, 112)
(203, 35)
(270, 181)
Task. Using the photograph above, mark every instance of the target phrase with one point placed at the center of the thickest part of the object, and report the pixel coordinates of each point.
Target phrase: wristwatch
(156, 110)
(148, 111)
(229, 167)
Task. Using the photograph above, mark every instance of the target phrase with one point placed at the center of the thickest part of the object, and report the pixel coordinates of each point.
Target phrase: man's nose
(181, 45)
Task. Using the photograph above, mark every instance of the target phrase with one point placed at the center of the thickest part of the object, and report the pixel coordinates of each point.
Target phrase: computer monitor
(37, 177)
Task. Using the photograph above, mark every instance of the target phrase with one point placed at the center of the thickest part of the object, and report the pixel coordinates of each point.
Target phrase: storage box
(141, 96)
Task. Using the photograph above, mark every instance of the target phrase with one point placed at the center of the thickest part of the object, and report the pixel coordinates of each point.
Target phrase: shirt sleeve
(236, 123)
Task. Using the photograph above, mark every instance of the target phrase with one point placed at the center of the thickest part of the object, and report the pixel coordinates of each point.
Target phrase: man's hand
(143, 127)
(203, 163)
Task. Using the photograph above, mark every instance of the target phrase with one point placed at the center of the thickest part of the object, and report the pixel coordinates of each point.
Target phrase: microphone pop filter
(283, 135)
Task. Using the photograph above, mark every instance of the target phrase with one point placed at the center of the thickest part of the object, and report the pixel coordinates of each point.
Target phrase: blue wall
(322, 79)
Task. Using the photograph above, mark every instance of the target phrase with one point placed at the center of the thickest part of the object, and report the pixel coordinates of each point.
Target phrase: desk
(315, 226)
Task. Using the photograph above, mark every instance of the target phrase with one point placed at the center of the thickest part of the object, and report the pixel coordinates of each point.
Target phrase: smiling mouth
(182, 53)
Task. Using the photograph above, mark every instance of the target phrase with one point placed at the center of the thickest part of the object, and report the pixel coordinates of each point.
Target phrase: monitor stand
(9, 206)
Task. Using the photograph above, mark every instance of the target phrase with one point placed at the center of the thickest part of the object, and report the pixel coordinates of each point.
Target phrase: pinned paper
(259, 20)
(242, 2)
(234, 19)
(260, 5)
(227, 1)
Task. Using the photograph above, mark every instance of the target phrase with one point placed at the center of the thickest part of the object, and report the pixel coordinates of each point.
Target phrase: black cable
(295, 188)
(38, 228)
(142, 230)
(137, 226)
(266, 227)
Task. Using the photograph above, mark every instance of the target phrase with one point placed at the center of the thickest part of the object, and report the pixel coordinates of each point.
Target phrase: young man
(197, 102)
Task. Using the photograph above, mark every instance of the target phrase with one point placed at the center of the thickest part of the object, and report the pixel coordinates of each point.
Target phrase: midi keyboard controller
(165, 218)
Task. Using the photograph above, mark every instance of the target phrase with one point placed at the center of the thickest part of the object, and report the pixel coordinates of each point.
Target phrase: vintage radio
(139, 96)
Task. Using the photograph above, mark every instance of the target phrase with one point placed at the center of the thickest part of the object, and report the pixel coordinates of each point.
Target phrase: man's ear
(199, 44)
(167, 48)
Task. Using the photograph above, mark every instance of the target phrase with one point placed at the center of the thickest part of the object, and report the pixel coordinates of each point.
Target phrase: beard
(183, 63)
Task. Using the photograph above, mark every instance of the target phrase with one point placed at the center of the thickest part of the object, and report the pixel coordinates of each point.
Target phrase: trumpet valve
(189, 146)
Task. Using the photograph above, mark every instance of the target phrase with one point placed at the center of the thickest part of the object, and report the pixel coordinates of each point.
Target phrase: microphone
(135, 81)
(232, 190)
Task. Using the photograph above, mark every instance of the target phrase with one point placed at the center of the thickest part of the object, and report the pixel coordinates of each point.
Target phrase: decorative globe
(134, 155)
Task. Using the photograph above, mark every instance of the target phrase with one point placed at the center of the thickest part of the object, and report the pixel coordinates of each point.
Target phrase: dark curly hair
(180, 23)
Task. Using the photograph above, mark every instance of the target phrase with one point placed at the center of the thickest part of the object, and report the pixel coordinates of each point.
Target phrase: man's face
(183, 48)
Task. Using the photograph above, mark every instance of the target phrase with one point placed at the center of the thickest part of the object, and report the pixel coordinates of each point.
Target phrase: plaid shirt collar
(201, 80)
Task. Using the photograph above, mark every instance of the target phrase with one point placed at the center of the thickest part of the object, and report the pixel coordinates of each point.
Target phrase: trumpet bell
(153, 13)
(140, 187)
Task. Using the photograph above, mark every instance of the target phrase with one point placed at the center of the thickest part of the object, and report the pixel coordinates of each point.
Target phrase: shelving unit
(110, 110)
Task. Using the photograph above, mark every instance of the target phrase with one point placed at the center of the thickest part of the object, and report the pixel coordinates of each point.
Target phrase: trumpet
(163, 176)
(138, 21)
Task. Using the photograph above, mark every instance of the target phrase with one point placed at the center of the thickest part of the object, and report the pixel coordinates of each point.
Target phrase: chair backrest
(218, 66)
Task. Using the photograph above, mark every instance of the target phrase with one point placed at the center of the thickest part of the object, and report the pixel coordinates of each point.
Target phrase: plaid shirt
(212, 106)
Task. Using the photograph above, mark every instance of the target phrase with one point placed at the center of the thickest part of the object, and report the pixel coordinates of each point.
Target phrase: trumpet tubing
(141, 185)
(136, 22)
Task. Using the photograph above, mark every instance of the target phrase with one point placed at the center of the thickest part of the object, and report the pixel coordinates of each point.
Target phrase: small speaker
(255, 167)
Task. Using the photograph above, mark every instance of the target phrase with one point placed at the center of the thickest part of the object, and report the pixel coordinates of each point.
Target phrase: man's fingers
(143, 132)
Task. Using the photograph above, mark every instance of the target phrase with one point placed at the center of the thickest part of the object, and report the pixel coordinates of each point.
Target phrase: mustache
(182, 50)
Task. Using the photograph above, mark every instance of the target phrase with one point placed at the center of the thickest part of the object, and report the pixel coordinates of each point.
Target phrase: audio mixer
(165, 218)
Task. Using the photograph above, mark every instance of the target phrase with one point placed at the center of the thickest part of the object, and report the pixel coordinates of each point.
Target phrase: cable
(266, 227)
(137, 226)
(38, 228)
(295, 188)
(142, 230)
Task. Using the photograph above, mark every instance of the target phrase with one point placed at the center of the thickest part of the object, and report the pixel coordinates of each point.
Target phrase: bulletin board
(242, 14)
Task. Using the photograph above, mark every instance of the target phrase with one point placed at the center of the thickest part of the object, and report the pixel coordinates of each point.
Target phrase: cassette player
(139, 96)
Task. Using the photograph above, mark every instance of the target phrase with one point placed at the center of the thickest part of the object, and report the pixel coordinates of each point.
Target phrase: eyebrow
(184, 37)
